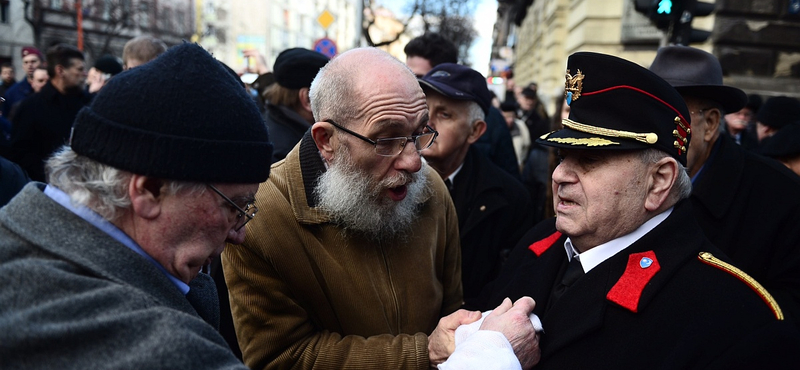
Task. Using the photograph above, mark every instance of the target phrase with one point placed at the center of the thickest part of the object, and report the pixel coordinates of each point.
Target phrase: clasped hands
(511, 320)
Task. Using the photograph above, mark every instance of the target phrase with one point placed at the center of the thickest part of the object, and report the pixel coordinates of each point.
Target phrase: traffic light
(682, 31)
(675, 18)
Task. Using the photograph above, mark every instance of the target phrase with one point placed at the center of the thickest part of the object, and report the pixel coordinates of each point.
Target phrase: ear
(59, 70)
(146, 196)
(305, 100)
(322, 133)
(662, 177)
(478, 128)
(713, 117)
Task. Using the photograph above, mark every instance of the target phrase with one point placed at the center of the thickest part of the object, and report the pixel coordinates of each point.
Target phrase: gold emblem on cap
(573, 86)
(591, 141)
(680, 142)
(648, 138)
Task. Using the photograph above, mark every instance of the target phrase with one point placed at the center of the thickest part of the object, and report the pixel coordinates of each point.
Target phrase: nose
(236, 237)
(409, 159)
(563, 173)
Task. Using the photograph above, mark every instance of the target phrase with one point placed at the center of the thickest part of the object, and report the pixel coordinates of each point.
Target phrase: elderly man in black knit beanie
(102, 267)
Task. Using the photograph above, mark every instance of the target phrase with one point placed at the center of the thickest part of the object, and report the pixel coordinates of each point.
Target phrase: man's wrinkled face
(599, 195)
(359, 201)
(739, 121)
(197, 227)
(452, 119)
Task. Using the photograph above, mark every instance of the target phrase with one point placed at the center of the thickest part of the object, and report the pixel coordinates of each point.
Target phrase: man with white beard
(356, 256)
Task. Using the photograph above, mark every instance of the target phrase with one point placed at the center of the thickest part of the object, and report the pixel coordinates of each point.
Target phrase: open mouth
(398, 193)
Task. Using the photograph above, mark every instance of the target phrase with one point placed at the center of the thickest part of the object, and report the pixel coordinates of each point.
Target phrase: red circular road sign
(325, 46)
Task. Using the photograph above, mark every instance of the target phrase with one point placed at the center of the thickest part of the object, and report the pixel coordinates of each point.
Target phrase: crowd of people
(367, 212)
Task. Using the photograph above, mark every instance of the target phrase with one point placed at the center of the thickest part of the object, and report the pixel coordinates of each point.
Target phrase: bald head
(339, 89)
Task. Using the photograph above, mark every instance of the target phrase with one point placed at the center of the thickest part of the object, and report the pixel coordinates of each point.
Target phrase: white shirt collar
(452, 176)
(595, 256)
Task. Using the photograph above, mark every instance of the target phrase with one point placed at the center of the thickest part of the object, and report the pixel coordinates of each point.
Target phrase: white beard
(358, 203)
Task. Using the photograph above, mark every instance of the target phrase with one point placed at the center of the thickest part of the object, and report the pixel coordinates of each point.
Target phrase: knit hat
(28, 50)
(616, 104)
(295, 68)
(458, 82)
(108, 64)
(785, 142)
(779, 111)
(182, 117)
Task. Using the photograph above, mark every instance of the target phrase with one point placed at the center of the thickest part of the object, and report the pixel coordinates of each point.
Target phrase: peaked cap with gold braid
(617, 104)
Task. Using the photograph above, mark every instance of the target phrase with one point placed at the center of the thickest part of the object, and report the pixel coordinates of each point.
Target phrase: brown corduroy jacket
(306, 295)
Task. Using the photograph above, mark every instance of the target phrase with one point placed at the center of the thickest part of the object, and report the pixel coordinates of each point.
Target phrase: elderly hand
(441, 343)
(514, 322)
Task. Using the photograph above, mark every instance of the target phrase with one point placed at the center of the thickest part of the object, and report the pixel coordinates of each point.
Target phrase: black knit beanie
(182, 116)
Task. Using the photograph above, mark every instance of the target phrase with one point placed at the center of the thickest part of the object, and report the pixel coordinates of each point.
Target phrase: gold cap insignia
(680, 132)
(648, 137)
(573, 86)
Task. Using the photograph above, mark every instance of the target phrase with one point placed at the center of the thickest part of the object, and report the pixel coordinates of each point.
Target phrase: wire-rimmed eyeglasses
(392, 146)
(244, 215)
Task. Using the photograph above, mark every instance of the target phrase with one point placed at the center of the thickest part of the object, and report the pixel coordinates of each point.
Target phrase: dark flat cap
(617, 104)
(295, 68)
(458, 82)
(694, 72)
(785, 142)
(779, 111)
(108, 64)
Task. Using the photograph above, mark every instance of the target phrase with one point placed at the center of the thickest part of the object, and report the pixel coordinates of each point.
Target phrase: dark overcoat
(749, 206)
(41, 125)
(494, 212)
(679, 312)
(286, 128)
(75, 298)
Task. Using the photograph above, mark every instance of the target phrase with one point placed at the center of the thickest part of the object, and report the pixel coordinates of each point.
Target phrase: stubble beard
(359, 203)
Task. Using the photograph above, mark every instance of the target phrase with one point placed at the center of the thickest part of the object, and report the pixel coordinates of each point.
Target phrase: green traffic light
(664, 7)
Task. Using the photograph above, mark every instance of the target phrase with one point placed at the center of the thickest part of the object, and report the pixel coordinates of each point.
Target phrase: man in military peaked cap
(101, 268)
(623, 278)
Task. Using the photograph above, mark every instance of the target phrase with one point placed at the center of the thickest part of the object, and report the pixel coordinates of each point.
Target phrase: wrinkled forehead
(392, 100)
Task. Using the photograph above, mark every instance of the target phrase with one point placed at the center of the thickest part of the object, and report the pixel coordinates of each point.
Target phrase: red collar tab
(628, 289)
(543, 245)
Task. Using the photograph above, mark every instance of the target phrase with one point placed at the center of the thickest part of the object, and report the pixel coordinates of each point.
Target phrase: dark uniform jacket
(493, 213)
(73, 297)
(41, 125)
(286, 128)
(749, 206)
(677, 313)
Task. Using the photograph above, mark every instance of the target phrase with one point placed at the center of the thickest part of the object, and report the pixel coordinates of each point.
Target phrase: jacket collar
(41, 221)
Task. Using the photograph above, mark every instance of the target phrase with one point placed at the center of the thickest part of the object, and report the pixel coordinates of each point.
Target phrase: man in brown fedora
(747, 205)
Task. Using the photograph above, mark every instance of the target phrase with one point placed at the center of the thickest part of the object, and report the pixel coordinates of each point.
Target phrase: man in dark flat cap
(784, 146)
(623, 278)
(100, 269)
(776, 113)
(288, 112)
(746, 204)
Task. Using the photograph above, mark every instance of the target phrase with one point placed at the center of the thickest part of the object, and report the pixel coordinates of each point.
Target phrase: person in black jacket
(42, 122)
(288, 112)
(746, 204)
(623, 277)
(493, 208)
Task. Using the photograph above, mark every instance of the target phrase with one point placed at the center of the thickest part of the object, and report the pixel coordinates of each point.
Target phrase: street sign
(326, 47)
(325, 19)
